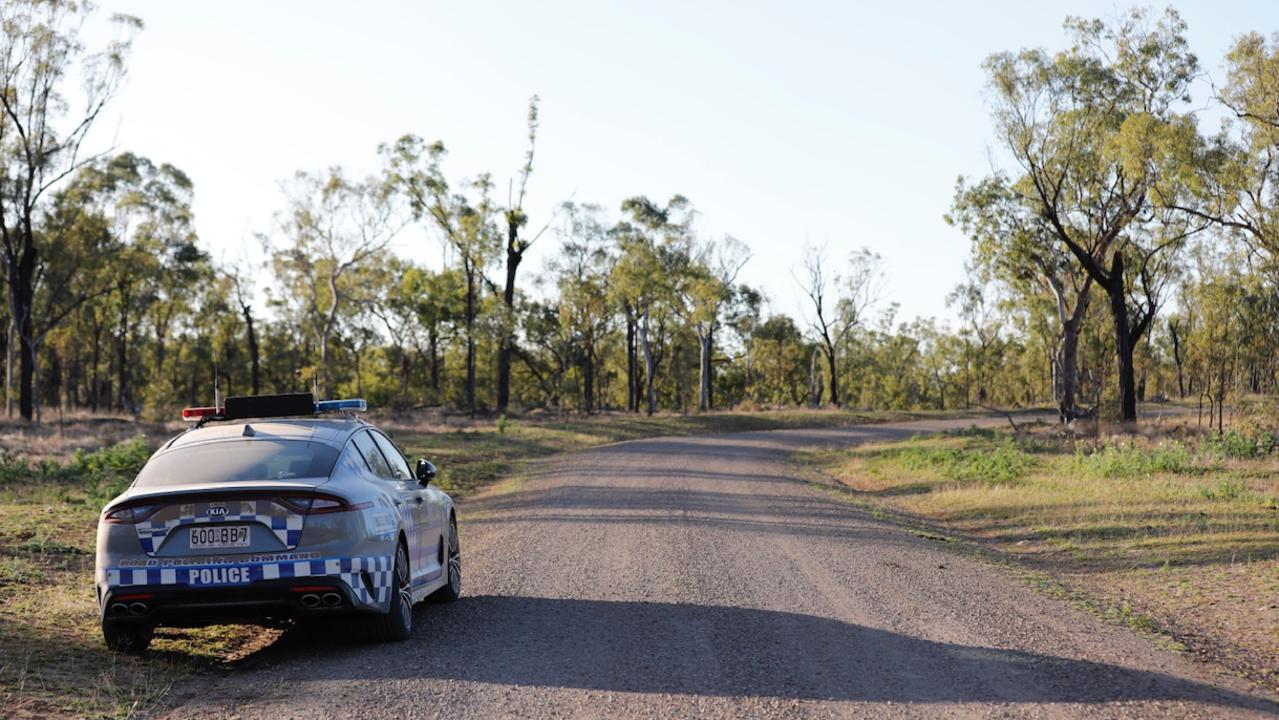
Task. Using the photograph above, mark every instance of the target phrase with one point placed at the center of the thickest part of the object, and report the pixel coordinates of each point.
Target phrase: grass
(55, 479)
(1169, 530)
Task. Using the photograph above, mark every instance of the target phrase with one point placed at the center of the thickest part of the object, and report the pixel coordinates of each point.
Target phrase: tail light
(320, 504)
(128, 514)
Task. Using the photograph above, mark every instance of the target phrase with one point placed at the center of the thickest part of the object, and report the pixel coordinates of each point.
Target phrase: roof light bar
(350, 405)
(193, 414)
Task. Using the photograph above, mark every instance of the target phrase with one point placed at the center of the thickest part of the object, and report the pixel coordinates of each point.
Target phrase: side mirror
(425, 471)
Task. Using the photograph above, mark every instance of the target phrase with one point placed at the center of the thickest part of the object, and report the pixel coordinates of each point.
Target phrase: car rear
(241, 522)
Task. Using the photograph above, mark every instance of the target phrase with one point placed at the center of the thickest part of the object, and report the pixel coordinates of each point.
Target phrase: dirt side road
(700, 577)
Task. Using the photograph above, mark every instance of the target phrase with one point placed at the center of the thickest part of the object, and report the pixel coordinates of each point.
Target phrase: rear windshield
(232, 460)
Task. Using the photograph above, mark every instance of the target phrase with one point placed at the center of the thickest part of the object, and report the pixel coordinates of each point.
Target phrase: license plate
(219, 536)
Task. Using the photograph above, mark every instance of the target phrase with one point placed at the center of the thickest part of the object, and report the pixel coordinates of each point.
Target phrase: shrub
(1000, 465)
(107, 472)
(1128, 459)
(1226, 490)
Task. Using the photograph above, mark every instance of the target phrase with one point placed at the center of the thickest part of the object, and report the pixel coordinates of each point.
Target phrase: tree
(516, 247)
(581, 274)
(1014, 244)
(40, 140)
(467, 224)
(653, 243)
(707, 288)
(1100, 147)
(334, 225)
(834, 318)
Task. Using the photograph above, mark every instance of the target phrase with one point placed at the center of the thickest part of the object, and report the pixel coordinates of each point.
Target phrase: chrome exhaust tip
(119, 609)
(138, 608)
(332, 599)
(310, 600)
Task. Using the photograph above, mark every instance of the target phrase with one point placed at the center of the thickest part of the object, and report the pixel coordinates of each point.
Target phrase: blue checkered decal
(286, 526)
(348, 570)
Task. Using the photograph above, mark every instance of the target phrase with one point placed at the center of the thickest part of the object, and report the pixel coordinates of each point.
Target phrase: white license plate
(219, 536)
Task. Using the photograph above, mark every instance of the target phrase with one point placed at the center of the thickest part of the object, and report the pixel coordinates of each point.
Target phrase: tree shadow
(718, 651)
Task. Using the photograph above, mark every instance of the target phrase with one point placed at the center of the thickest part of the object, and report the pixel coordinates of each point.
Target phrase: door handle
(420, 500)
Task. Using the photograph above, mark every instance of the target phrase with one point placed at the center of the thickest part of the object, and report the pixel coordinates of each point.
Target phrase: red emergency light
(200, 413)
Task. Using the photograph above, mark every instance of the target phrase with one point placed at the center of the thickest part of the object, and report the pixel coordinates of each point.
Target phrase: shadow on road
(724, 651)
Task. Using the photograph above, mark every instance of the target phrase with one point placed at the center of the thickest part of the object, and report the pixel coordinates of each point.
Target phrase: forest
(1122, 250)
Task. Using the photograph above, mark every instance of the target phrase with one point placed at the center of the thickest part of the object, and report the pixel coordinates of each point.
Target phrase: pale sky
(785, 123)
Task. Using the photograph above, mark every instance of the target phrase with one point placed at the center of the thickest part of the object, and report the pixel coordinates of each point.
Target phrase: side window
(371, 454)
(399, 465)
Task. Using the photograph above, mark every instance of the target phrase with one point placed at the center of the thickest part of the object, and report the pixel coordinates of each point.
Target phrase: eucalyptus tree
(840, 303)
(1099, 144)
(580, 273)
(653, 248)
(516, 246)
(42, 133)
(706, 289)
(1014, 244)
(465, 218)
(334, 225)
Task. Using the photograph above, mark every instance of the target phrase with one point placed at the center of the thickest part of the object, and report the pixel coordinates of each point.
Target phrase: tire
(452, 589)
(126, 637)
(397, 623)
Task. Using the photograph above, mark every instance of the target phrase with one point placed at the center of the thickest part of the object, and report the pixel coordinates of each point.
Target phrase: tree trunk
(834, 376)
(470, 342)
(704, 399)
(1123, 340)
(122, 349)
(255, 361)
(513, 258)
(1178, 358)
(21, 294)
(649, 364)
(588, 381)
(632, 382)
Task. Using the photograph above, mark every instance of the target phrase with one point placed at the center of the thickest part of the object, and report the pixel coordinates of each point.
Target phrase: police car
(271, 509)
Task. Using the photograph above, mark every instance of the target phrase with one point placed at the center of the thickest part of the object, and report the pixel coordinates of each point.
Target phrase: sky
(789, 124)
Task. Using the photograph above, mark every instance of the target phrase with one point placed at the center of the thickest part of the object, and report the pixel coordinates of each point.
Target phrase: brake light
(200, 413)
(320, 504)
(129, 514)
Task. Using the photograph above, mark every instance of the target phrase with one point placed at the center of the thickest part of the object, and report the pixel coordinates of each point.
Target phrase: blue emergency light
(349, 405)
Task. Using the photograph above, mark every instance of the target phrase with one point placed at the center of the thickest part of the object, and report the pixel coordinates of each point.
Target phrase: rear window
(234, 460)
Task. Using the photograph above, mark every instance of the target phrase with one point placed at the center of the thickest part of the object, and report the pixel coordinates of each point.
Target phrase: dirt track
(700, 577)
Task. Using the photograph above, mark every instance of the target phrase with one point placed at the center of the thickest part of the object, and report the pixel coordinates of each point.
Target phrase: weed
(1128, 460)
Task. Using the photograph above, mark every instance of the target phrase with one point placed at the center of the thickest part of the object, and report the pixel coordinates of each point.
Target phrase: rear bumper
(174, 593)
(263, 602)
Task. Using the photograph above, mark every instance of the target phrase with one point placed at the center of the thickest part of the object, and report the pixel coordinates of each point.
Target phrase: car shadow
(709, 650)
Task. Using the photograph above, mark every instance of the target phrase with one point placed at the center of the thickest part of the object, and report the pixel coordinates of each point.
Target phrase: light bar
(352, 405)
(199, 413)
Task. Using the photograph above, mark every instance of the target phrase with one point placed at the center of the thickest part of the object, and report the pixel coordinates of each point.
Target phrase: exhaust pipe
(138, 608)
(332, 599)
(119, 609)
(310, 600)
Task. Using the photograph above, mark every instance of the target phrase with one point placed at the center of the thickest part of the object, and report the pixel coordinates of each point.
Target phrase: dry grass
(1173, 528)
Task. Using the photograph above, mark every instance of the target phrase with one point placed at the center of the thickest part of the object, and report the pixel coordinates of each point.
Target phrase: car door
(426, 555)
(409, 500)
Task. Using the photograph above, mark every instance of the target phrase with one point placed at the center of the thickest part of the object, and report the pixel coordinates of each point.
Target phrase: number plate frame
(219, 537)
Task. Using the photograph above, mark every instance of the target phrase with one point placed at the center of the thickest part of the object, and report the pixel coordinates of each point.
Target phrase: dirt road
(701, 577)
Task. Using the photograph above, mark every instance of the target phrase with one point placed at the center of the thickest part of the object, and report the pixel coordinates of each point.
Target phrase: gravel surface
(701, 577)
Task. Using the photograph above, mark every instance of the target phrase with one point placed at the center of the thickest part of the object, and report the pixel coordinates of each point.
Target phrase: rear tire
(452, 589)
(397, 623)
(126, 637)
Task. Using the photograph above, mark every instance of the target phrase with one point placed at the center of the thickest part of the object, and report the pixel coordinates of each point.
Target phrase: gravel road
(701, 577)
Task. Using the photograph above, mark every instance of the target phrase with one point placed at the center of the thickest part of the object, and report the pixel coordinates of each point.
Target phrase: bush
(1003, 464)
(1226, 490)
(1131, 460)
(107, 472)
(1242, 445)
